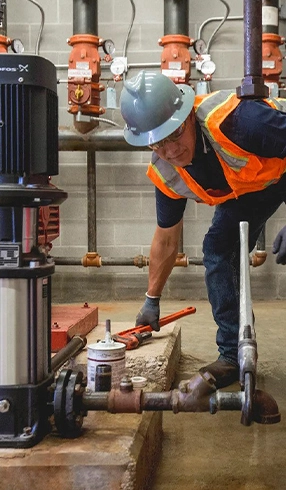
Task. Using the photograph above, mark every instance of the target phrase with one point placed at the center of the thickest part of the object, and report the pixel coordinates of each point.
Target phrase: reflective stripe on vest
(167, 178)
(211, 110)
(244, 171)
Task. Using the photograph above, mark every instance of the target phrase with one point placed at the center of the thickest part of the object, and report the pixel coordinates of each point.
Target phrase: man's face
(180, 152)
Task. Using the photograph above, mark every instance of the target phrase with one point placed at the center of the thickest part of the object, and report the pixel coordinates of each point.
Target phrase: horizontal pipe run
(105, 140)
(128, 261)
(256, 260)
(203, 399)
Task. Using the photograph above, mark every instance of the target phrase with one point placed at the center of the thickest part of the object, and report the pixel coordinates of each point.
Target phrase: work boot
(224, 373)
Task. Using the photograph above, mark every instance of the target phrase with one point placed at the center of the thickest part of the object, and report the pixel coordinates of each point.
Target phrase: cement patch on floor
(115, 451)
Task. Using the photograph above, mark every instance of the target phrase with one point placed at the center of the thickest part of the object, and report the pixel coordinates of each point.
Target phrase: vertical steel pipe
(176, 21)
(91, 201)
(3, 18)
(270, 16)
(176, 17)
(85, 18)
(253, 84)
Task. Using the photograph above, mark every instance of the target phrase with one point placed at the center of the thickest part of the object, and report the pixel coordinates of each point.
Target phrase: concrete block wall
(125, 205)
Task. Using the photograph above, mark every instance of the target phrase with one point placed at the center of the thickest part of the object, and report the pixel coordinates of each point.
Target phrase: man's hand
(279, 247)
(149, 313)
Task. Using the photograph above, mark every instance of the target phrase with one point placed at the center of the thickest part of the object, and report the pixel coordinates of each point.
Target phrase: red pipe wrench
(133, 337)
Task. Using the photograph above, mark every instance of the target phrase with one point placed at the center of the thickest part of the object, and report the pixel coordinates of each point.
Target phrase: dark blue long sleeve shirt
(254, 126)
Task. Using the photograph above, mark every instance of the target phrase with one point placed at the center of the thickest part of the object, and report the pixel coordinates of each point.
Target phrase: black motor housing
(28, 116)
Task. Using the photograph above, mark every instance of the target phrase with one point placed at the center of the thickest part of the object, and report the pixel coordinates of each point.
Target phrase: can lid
(102, 345)
(139, 381)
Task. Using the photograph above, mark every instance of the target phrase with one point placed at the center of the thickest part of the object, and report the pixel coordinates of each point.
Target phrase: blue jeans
(221, 249)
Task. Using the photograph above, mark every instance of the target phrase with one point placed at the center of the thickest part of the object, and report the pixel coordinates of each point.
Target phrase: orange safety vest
(245, 172)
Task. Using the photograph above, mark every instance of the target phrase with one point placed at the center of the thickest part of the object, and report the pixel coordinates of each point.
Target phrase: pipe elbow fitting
(258, 258)
(193, 395)
(265, 408)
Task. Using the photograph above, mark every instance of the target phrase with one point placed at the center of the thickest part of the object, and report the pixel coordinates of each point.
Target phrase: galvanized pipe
(246, 317)
(247, 347)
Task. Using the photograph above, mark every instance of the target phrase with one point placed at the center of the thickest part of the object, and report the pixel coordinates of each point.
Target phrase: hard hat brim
(161, 132)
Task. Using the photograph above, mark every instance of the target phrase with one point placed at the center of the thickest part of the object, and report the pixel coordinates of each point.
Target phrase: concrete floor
(214, 452)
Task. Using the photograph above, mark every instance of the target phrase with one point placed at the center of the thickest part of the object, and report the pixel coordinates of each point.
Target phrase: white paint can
(106, 352)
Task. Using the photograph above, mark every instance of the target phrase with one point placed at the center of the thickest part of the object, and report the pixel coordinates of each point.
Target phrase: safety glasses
(172, 137)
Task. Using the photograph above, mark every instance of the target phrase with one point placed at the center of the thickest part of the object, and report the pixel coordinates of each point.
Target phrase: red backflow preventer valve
(272, 57)
(176, 58)
(83, 75)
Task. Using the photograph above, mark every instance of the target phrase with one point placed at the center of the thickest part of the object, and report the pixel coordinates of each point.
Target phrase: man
(219, 150)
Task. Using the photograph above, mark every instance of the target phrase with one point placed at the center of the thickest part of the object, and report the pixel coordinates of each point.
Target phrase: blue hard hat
(153, 107)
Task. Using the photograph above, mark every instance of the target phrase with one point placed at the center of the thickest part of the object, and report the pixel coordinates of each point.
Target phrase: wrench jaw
(247, 357)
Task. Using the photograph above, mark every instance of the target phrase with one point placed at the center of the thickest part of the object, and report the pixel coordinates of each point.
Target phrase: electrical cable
(130, 28)
(129, 31)
(220, 24)
(216, 19)
(37, 48)
(109, 121)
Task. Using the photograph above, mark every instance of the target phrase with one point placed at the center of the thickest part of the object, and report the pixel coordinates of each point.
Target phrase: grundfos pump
(28, 157)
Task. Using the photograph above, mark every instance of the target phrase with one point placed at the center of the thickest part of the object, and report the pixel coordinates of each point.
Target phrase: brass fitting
(141, 261)
(182, 260)
(91, 259)
(258, 258)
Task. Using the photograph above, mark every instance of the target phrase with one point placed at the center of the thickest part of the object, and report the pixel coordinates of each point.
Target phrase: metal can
(106, 352)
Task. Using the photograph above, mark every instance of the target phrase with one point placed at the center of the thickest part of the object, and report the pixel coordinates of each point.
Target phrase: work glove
(279, 247)
(150, 313)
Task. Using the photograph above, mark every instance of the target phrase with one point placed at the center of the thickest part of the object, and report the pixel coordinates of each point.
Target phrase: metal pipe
(122, 261)
(106, 140)
(85, 20)
(3, 18)
(75, 345)
(91, 200)
(247, 346)
(246, 317)
(252, 84)
(260, 255)
(270, 16)
(194, 395)
(252, 38)
(176, 17)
